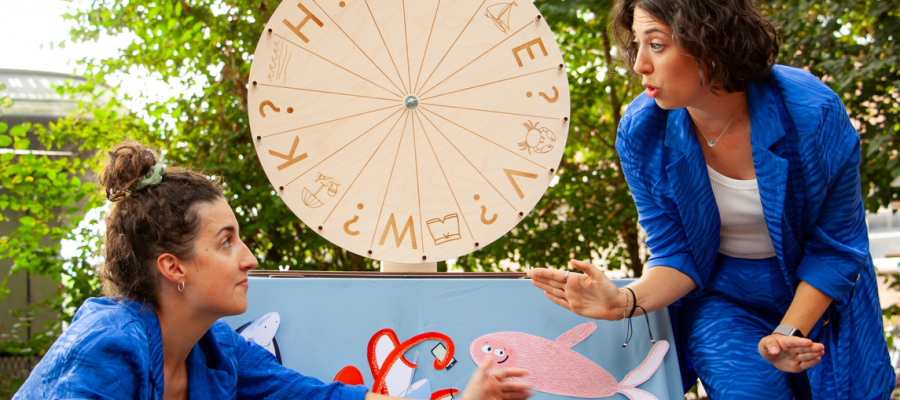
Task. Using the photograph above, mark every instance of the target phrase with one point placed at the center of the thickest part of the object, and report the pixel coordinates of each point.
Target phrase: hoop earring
(180, 286)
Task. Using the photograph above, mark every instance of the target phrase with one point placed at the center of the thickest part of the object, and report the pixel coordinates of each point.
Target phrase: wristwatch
(787, 330)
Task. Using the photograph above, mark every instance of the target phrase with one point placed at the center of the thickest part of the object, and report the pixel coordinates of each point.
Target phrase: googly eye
(499, 352)
(486, 349)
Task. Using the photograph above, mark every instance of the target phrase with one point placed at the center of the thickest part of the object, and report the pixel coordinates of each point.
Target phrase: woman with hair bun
(175, 265)
(745, 175)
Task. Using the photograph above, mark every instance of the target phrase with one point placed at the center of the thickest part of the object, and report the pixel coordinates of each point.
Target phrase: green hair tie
(153, 177)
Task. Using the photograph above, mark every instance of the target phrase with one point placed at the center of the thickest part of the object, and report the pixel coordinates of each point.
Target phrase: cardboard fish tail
(643, 372)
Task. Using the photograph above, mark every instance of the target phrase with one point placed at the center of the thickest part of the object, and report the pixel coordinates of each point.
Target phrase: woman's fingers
(549, 280)
(806, 353)
(560, 301)
(588, 269)
(547, 275)
(593, 296)
(558, 278)
(485, 365)
(517, 394)
(504, 373)
(496, 383)
(556, 289)
(801, 349)
(770, 346)
(511, 389)
(791, 354)
(514, 386)
(807, 356)
(794, 342)
(807, 364)
(800, 343)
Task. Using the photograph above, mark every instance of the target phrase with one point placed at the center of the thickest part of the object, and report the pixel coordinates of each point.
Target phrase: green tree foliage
(26, 180)
(852, 46)
(44, 197)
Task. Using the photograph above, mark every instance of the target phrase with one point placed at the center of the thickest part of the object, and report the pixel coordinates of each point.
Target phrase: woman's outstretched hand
(791, 353)
(590, 294)
(496, 383)
(486, 384)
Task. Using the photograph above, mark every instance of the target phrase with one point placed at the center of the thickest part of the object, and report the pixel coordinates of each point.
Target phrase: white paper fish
(262, 330)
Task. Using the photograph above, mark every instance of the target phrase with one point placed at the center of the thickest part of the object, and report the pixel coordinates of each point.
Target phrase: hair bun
(126, 165)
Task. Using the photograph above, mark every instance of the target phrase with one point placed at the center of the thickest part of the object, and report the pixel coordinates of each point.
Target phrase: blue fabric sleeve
(260, 376)
(666, 239)
(93, 364)
(837, 247)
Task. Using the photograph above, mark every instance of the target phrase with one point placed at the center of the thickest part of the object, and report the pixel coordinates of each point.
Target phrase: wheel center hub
(411, 102)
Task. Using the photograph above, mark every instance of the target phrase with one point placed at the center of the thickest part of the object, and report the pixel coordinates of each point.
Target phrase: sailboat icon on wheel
(499, 14)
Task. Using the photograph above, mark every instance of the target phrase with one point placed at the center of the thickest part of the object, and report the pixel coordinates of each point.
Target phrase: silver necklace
(712, 143)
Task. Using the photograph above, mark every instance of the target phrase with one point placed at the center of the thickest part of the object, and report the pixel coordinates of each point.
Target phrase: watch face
(409, 131)
(787, 330)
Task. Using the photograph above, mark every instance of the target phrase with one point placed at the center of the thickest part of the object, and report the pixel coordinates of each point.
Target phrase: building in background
(34, 100)
(884, 246)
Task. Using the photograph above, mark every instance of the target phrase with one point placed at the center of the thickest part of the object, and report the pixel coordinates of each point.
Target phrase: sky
(27, 29)
(24, 47)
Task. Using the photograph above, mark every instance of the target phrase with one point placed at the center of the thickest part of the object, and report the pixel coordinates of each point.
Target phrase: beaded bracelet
(624, 311)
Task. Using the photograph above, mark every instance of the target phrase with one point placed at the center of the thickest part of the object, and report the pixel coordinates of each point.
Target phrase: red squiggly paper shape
(380, 372)
(349, 375)
(444, 393)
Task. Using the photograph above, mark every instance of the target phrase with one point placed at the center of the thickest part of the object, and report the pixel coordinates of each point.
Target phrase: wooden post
(398, 267)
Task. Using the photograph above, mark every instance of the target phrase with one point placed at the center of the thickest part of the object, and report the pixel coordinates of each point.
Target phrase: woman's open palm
(590, 294)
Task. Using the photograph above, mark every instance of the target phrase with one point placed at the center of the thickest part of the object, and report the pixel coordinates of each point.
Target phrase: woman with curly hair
(175, 264)
(746, 178)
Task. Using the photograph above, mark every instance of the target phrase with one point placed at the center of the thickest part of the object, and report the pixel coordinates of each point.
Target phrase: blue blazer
(807, 155)
(113, 350)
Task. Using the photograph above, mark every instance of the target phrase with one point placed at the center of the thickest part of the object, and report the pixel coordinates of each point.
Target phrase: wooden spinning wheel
(409, 131)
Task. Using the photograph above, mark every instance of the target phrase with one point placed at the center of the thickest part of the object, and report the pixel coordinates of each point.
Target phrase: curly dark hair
(147, 222)
(730, 39)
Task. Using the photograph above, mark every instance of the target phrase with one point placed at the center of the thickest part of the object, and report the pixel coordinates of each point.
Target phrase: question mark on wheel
(548, 98)
(352, 221)
(484, 213)
(262, 108)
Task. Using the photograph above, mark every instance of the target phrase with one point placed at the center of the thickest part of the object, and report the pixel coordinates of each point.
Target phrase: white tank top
(744, 233)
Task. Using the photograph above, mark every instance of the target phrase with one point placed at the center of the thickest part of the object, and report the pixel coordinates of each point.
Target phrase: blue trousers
(743, 301)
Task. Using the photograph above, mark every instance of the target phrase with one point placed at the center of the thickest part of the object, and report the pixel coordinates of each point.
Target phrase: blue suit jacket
(806, 154)
(113, 350)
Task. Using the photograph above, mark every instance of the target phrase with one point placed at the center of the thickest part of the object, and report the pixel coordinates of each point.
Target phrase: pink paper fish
(554, 368)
